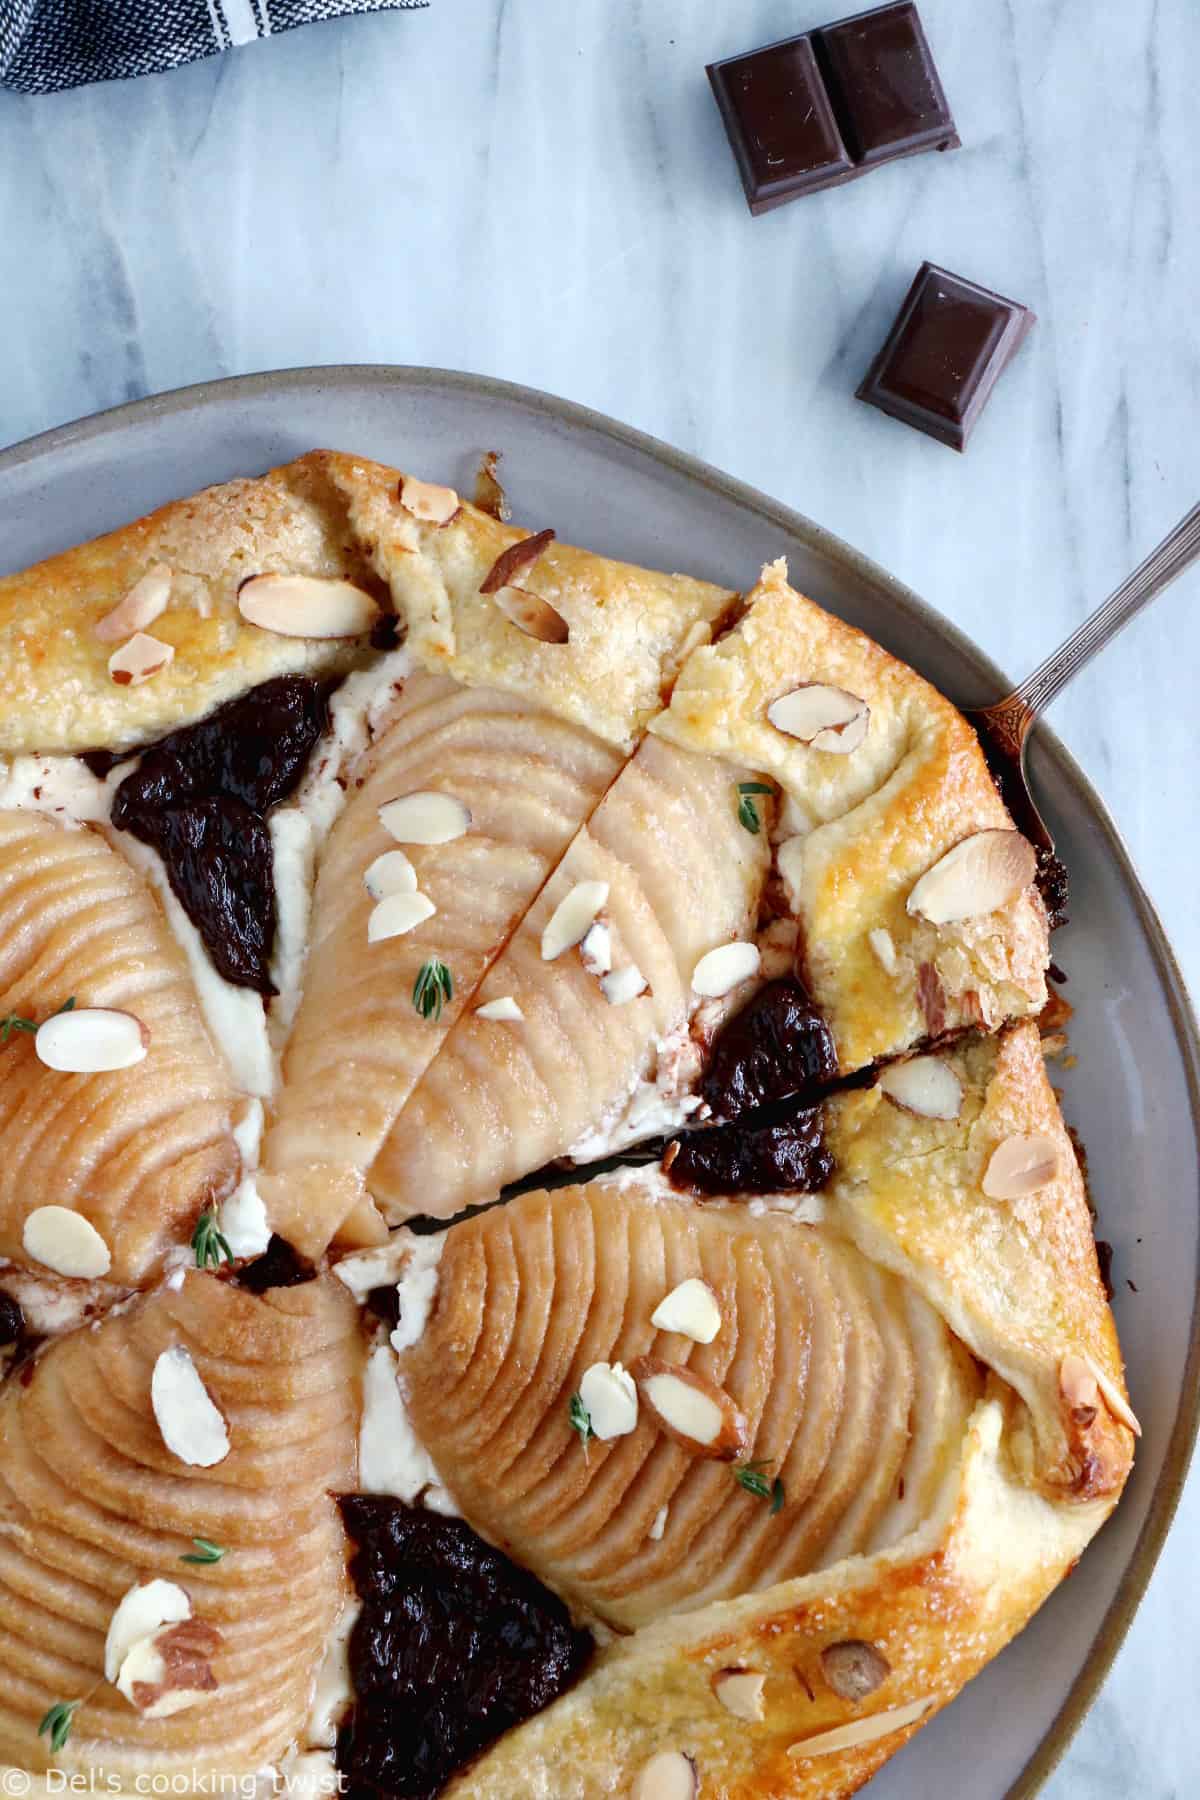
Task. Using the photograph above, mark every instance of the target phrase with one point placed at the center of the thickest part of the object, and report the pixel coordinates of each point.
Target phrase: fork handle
(1177, 551)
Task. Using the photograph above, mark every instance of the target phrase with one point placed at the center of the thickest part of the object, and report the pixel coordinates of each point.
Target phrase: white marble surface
(544, 193)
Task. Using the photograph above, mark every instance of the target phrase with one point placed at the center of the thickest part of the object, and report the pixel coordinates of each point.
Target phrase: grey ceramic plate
(1135, 1094)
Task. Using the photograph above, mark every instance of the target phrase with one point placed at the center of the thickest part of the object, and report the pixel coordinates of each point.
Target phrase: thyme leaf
(57, 1722)
(210, 1246)
(747, 812)
(433, 987)
(205, 1552)
(750, 1476)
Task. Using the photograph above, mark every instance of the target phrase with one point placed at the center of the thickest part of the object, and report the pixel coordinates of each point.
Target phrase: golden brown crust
(866, 826)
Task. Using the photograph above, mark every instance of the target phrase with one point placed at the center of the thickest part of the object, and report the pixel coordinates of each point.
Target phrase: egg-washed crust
(1016, 1280)
(872, 822)
(59, 695)
(937, 1608)
(630, 628)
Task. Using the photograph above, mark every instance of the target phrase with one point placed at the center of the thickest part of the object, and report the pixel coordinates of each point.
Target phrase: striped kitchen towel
(46, 45)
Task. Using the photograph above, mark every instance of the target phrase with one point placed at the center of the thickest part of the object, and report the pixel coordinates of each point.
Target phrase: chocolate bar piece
(810, 112)
(943, 356)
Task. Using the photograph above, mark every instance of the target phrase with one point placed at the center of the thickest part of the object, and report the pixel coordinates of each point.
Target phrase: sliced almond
(860, 1731)
(610, 1396)
(740, 1692)
(658, 1524)
(391, 873)
(980, 875)
(514, 561)
(1020, 1166)
(623, 985)
(595, 947)
(139, 659)
(1083, 1385)
(490, 496)
(880, 940)
(138, 1614)
(532, 615)
(170, 1670)
(1116, 1402)
(426, 501)
(143, 603)
(571, 918)
(824, 718)
(505, 1009)
(691, 1408)
(397, 914)
(307, 606)
(925, 1085)
(670, 1775)
(191, 1427)
(425, 817)
(66, 1242)
(691, 1309)
(854, 1669)
(721, 970)
(91, 1040)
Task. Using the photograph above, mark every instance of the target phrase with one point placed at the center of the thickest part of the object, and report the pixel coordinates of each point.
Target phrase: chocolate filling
(778, 1045)
(778, 1151)
(454, 1645)
(200, 798)
(12, 1319)
(279, 1266)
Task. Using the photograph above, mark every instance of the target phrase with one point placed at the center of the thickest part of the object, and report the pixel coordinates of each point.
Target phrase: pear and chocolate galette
(539, 1254)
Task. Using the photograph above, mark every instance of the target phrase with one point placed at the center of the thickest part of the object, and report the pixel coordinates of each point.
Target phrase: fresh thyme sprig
(580, 1419)
(433, 987)
(210, 1245)
(750, 1476)
(747, 812)
(58, 1722)
(15, 1022)
(205, 1552)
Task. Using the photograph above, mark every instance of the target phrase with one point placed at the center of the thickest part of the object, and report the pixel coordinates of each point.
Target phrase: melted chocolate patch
(781, 1152)
(199, 797)
(454, 1645)
(778, 1045)
(278, 1266)
(384, 1303)
(12, 1319)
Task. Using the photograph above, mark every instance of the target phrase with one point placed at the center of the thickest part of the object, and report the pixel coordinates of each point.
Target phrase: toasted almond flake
(658, 1524)
(397, 914)
(925, 1085)
(532, 615)
(692, 1309)
(824, 718)
(307, 606)
(854, 1669)
(860, 1731)
(740, 1692)
(169, 1670)
(1082, 1384)
(595, 948)
(1116, 1402)
(66, 1242)
(191, 1427)
(138, 1614)
(721, 970)
(391, 873)
(505, 1009)
(608, 1392)
(670, 1775)
(143, 603)
(980, 875)
(490, 496)
(572, 916)
(1020, 1166)
(425, 817)
(514, 561)
(623, 985)
(139, 659)
(691, 1408)
(91, 1040)
(426, 501)
(880, 940)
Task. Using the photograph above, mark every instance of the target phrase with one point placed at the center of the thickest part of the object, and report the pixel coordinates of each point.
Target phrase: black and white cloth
(47, 45)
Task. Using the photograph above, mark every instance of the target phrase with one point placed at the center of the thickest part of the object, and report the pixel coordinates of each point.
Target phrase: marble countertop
(545, 194)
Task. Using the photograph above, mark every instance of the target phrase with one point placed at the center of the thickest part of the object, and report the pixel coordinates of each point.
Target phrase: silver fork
(1005, 726)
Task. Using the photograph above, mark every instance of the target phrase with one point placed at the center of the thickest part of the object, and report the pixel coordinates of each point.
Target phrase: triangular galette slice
(101, 1171)
(647, 921)
(187, 1447)
(914, 896)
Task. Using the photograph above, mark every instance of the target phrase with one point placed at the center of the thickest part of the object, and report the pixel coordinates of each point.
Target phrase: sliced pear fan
(852, 1391)
(94, 1501)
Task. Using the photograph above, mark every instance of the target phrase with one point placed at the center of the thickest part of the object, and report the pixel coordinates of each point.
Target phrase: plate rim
(198, 396)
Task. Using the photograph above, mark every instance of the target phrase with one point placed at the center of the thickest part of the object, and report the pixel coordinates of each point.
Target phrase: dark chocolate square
(950, 343)
(780, 123)
(881, 78)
